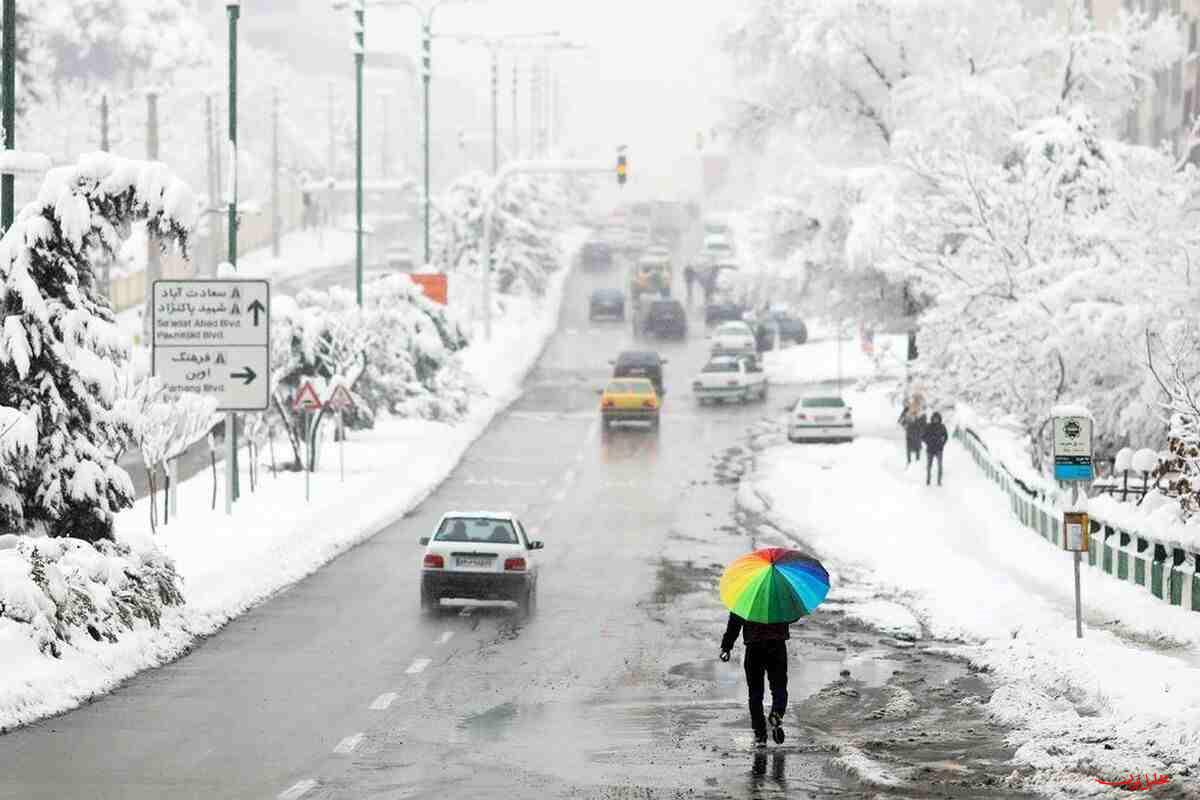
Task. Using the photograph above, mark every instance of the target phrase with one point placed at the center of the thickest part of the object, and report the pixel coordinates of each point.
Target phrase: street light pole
(9, 87)
(426, 75)
(360, 14)
(231, 447)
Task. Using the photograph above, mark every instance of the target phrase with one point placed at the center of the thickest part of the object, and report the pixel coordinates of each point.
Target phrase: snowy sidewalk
(973, 574)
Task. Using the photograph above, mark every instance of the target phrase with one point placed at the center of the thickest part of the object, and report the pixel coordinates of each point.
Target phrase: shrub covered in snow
(64, 588)
(530, 211)
(395, 353)
(60, 349)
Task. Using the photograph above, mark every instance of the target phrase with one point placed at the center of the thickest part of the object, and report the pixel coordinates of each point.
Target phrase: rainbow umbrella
(774, 585)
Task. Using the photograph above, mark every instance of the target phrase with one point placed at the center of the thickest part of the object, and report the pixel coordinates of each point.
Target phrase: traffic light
(622, 167)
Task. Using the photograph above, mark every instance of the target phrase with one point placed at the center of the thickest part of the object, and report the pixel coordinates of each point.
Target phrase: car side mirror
(537, 544)
(663, 361)
(424, 540)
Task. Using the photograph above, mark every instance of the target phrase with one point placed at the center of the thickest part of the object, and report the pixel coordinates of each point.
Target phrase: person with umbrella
(765, 592)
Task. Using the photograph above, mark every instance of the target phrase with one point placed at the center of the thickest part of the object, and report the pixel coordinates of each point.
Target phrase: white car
(730, 378)
(733, 337)
(821, 419)
(479, 555)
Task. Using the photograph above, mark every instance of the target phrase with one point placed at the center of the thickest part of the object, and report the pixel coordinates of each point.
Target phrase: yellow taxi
(629, 400)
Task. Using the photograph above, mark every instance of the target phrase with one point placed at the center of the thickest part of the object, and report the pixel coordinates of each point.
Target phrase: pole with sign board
(340, 400)
(308, 403)
(213, 338)
(1073, 464)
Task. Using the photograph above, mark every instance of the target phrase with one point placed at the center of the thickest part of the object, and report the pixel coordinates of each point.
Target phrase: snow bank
(817, 360)
(227, 564)
(1127, 696)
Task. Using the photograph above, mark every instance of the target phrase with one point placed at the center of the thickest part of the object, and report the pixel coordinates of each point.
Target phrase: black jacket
(914, 429)
(935, 436)
(753, 632)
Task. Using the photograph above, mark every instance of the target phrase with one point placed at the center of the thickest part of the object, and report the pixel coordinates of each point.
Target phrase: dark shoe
(760, 740)
(776, 722)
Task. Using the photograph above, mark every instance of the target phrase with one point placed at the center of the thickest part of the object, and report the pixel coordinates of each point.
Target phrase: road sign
(1073, 448)
(433, 284)
(1076, 533)
(340, 399)
(306, 398)
(213, 337)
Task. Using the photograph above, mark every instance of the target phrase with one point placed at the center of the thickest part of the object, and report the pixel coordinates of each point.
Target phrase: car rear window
(721, 366)
(478, 530)
(630, 387)
(822, 402)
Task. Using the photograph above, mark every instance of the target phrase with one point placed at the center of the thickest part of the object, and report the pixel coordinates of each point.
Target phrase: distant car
(479, 555)
(730, 378)
(596, 255)
(400, 258)
(733, 338)
(716, 252)
(715, 226)
(608, 303)
(629, 400)
(821, 419)
(791, 329)
(641, 364)
(665, 318)
(712, 240)
(722, 310)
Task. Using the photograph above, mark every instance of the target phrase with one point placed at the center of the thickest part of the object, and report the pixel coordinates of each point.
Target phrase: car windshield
(630, 387)
(822, 402)
(476, 529)
(732, 329)
(721, 366)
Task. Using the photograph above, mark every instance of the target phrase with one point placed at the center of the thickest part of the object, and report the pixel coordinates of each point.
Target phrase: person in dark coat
(914, 424)
(689, 279)
(766, 656)
(935, 437)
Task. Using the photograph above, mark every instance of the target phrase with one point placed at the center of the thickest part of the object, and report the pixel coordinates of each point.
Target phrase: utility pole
(106, 262)
(9, 88)
(215, 185)
(495, 110)
(275, 173)
(360, 32)
(231, 448)
(516, 128)
(104, 145)
(426, 76)
(153, 257)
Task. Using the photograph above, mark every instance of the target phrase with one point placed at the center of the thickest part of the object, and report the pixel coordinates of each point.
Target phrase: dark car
(666, 318)
(608, 303)
(791, 329)
(719, 311)
(596, 255)
(641, 364)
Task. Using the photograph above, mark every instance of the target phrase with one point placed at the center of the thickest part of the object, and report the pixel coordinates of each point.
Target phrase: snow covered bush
(395, 353)
(59, 589)
(60, 350)
(530, 212)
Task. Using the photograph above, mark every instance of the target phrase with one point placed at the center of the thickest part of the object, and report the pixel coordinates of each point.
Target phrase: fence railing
(1166, 571)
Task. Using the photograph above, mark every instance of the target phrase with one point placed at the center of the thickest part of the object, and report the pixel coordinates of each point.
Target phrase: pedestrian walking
(935, 437)
(689, 278)
(912, 419)
(707, 284)
(766, 657)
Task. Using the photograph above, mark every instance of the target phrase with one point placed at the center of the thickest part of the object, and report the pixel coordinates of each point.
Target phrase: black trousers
(914, 452)
(929, 457)
(769, 660)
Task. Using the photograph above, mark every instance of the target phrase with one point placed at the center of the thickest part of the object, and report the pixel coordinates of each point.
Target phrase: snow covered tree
(60, 349)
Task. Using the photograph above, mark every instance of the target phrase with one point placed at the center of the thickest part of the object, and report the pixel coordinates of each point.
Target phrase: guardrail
(1166, 571)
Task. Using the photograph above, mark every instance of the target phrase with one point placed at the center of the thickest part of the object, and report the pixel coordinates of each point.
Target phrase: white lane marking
(445, 637)
(383, 701)
(348, 744)
(298, 789)
(418, 665)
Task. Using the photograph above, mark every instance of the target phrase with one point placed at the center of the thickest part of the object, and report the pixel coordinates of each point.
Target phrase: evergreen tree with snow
(60, 349)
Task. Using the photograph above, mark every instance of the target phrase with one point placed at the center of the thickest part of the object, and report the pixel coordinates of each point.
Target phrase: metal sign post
(308, 402)
(339, 401)
(213, 338)
(1073, 464)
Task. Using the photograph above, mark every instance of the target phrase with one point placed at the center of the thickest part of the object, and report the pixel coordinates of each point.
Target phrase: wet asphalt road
(339, 688)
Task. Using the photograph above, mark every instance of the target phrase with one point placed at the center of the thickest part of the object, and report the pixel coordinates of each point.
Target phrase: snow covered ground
(818, 359)
(1125, 698)
(228, 563)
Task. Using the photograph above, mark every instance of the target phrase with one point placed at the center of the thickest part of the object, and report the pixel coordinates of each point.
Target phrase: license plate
(474, 562)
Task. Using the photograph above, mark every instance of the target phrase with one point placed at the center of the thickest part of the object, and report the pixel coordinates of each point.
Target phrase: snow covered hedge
(60, 351)
(395, 354)
(54, 590)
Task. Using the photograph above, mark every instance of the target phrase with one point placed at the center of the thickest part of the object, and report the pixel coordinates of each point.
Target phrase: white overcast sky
(651, 75)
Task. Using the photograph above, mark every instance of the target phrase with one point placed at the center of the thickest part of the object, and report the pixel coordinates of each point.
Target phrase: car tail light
(847, 415)
(731, 383)
(697, 385)
(434, 561)
(801, 417)
(608, 403)
(514, 564)
(649, 403)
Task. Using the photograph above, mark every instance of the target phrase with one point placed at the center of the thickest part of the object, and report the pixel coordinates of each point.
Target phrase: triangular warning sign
(340, 400)
(236, 293)
(236, 309)
(306, 398)
(220, 358)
